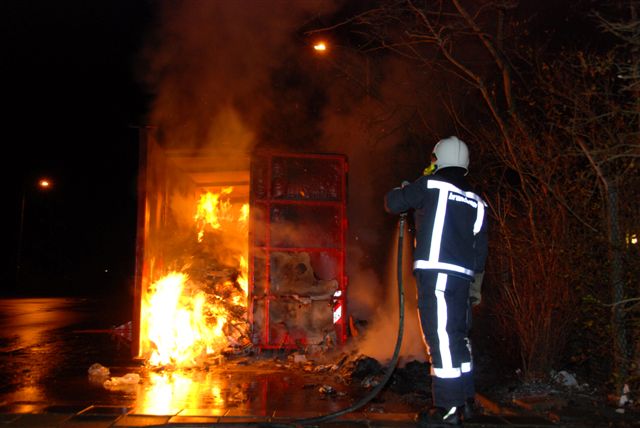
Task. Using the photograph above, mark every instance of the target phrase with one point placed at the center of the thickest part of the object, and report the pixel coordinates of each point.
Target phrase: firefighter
(450, 249)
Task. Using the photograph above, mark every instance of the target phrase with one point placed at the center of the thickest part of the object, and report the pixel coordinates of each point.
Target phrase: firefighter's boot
(439, 417)
(469, 410)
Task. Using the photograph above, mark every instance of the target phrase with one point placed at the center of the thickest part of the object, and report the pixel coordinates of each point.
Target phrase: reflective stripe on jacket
(451, 230)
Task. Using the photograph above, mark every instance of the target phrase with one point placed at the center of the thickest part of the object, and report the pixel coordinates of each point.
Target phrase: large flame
(183, 319)
(212, 208)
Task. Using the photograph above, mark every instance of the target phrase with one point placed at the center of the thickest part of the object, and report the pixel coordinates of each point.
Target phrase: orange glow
(183, 319)
(44, 183)
(242, 278)
(212, 208)
(167, 392)
(320, 46)
(244, 213)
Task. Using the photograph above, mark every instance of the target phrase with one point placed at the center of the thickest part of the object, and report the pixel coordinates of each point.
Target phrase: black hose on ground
(396, 353)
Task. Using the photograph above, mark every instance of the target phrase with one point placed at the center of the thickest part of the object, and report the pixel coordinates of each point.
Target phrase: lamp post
(42, 184)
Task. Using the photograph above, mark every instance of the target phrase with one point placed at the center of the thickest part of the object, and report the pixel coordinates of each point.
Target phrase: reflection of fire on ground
(268, 383)
(200, 309)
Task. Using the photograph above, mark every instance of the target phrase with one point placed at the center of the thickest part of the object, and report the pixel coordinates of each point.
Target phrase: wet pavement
(48, 345)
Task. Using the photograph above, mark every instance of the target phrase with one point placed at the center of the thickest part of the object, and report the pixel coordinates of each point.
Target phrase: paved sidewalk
(30, 414)
(41, 416)
(45, 381)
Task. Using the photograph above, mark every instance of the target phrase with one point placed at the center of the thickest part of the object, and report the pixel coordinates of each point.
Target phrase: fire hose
(396, 353)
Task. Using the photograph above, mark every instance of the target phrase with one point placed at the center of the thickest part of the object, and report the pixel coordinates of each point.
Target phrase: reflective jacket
(450, 221)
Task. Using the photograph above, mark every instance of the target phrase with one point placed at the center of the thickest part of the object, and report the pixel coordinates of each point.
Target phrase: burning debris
(302, 315)
(225, 289)
(239, 254)
(97, 370)
(193, 314)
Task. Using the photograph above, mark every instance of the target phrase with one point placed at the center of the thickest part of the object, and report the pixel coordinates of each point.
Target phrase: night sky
(71, 102)
(75, 92)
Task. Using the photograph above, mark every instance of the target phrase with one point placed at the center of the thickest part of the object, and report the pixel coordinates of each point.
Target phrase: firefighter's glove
(475, 290)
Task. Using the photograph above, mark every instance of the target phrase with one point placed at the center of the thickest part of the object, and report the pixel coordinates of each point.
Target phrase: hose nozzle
(403, 219)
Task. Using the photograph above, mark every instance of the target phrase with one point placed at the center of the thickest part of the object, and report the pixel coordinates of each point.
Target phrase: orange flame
(182, 319)
(244, 213)
(242, 278)
(211, 209)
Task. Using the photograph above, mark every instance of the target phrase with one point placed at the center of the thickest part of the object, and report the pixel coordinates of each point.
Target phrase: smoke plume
(231, 76)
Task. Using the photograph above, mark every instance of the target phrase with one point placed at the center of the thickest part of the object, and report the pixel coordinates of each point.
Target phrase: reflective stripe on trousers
(443, 311)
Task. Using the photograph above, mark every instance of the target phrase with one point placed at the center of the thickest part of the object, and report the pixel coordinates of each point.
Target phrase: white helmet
(451, 152)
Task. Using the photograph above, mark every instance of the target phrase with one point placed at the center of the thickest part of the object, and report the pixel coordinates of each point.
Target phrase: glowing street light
(346, 60)
(320, 47)
(43, 184)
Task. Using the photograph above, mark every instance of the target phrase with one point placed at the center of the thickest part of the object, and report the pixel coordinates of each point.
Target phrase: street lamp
(42, 184)
(346, 60)
(320, 47)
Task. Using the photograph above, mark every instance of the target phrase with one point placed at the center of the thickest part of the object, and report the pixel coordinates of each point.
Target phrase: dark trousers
(443, 307)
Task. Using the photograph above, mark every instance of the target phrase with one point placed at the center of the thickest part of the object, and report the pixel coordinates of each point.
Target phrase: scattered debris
(330, 391)
(364, 366)
(564, 378)
(215, 360)
(298, 358)
(128, 379)
(98, 370)
(624, 400)
(327, 390)
(100, 374)
(323, 368)
(370, 382)
(414, 377)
